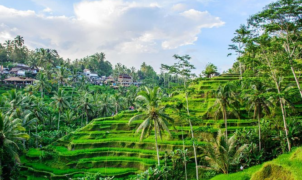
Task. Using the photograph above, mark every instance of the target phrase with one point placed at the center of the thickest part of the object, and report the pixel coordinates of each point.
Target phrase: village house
(22, 81)
(4, 70)
(21, 69)
(90, 75)
(125, 80)
(109, 80)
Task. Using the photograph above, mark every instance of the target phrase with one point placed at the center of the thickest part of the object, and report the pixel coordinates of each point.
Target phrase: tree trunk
(284, 118)
(259, 126)
(41, 89)
(156, 145)
(192, 133)
(50, 122)
(0, 169)
(225, 123)
(86, 116)
(36, 135)
(296, 79)
(24, 145)
(82, 119)
(240, 69)
(59, 120)
(183, 148)
(285, 125)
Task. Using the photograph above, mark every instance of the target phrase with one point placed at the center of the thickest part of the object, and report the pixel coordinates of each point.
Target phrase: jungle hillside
(91, 119)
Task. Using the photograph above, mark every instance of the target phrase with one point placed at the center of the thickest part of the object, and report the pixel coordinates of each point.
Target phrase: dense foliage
(262, 88)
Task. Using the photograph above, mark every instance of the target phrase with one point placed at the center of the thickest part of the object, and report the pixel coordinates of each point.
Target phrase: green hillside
(111, 147)
(285, 167)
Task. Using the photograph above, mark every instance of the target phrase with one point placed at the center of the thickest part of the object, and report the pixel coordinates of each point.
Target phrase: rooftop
(22, 79)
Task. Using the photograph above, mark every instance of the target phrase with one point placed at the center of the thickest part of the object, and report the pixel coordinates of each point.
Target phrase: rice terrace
(151, 90)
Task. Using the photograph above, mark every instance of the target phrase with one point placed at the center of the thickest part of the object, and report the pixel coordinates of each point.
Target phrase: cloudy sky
(130, 31)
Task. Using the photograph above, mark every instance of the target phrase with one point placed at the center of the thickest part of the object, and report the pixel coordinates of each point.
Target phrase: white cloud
(123, 30)
(179, 7)
(47, 10)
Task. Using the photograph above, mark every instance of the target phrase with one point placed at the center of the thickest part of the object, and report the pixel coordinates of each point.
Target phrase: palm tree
(42, 84)
(47, 56)
(69, 116)
(61, 75)
(153, 114)
(14, 100)
(106, 105)
(28, 121)
(130, 95)
(223, 102)
(221, 152)
(85, 104)
(118, 100)
(257, 98)
(60, 103)
(11, 135)
(19, 40)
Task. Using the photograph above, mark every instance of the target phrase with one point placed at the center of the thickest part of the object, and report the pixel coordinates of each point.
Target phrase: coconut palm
(60, 102)
(19, 41)
(257, 98)
(106, 105)
(61, 76)
(27, 119)
(47, 56)
(153, 114)
(11, 135)
(85, 104)
(117, 100)
(130, 95)
(69, 116)
(221, 152)
(14, 99)
(42, 84)
(223, 103)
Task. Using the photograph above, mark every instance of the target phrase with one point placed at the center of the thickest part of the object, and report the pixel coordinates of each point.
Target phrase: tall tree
(272, 58)
(257, 98)
(283, 19)
(60, 102)
(42, 84)
(11, 136)
(221, 152)
(153, 114)
(210, 69)
(183, 68)
(241, 38)
(224, 103)
(85, 104)
(118, 101)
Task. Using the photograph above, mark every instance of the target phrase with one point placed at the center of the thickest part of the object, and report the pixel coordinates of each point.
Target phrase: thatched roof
(21, 79)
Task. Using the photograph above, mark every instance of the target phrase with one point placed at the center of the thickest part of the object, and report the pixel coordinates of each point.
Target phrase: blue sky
(130, 31)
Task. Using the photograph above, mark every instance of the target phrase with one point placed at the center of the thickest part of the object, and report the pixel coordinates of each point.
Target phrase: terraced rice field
(111, 147)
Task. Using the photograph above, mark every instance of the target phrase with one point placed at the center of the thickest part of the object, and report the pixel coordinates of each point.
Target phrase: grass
(64, 151)
(285, 167)
(244, 175)
(149, 140)
(115, 158)
(33, 153)
(103, 171)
